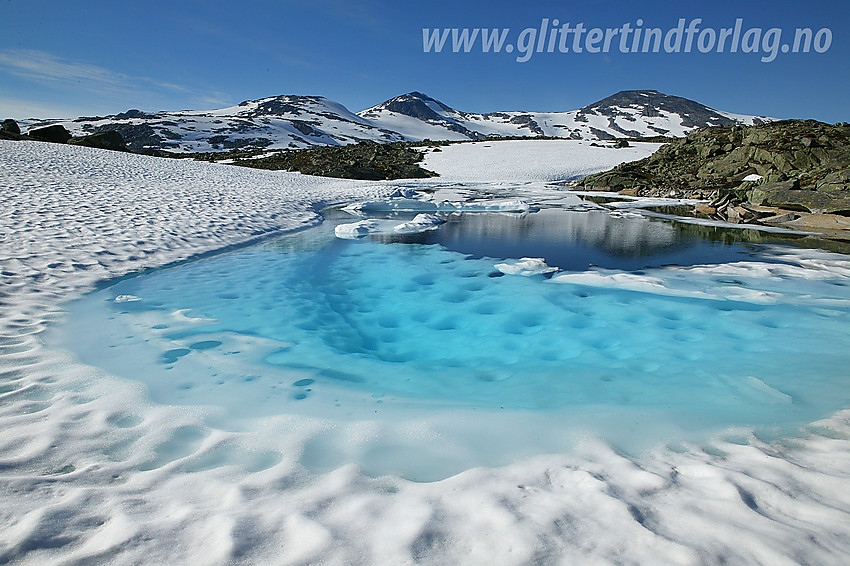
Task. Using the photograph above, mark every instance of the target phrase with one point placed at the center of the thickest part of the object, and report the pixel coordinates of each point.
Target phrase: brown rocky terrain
(801, 170)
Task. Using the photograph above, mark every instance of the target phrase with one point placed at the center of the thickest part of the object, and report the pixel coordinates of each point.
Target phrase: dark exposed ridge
(651, 102)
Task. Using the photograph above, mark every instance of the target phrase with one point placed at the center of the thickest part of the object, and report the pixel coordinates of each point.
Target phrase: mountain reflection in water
(577, 240)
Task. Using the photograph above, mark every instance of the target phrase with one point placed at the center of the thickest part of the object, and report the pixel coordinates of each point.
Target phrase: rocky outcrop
(138, 137)
(109, 139)
(800, 165)
(10, 127)
(55, 133)
(365, 160)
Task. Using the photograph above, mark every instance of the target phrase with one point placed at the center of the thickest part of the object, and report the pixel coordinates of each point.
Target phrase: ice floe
(420, 223)
(361, 228)
(525, 266)
(358, 229)
(403, 204)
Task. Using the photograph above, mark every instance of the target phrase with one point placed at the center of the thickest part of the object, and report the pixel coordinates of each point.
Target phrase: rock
(55, 133)
(804, 165)
(779, 218)
(825, 199)
(11, 127)
(821, 222)
(132, 113)
(708, 210)
(366, 160)
(620, 143)
(760, 211)
(738, 214)
(109, 139)
(138, 137)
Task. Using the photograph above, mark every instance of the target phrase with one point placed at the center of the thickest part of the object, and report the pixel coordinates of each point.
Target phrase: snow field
(92, 472)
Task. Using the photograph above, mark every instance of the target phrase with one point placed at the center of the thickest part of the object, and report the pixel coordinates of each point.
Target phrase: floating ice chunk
(526, 266)
(414, 205)
(357, 229)
(391, 205)
(420, 223)
(503, 205)
(753, 177)
(127, 299)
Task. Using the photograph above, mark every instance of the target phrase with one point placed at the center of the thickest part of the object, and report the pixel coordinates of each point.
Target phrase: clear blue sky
(71, 58)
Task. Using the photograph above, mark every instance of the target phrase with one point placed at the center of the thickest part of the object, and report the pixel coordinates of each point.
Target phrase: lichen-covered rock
(804, 165)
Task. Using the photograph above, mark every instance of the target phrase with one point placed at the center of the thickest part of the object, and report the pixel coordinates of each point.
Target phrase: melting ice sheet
(455, 364)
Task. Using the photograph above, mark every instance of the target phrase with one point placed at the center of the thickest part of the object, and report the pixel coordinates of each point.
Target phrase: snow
(529, 160)
(290, 121)
(744, 118)
(410, 204)
(587, 124)
(525, 266)
(361, 228)
(753, 177)
(357, 229)
(92, 472)
(420, 223)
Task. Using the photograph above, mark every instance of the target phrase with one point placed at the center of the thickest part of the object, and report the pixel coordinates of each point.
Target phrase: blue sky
(66, 59)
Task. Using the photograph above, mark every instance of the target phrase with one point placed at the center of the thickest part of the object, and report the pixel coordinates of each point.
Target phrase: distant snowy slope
(528, 160)
(293, 122)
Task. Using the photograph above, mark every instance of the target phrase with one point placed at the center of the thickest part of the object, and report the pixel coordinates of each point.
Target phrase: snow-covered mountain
(290, 121)
(629, 113)
(278, 122)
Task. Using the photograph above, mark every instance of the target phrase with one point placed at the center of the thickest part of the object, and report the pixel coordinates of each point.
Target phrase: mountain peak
(414, 104)
(654, 104)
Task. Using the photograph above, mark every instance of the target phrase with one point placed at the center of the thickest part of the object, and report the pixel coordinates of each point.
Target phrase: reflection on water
(576, 241)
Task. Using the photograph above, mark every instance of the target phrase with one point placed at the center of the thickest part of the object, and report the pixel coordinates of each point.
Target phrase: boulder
(109, 139)
(11, 127)
(55, 133)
